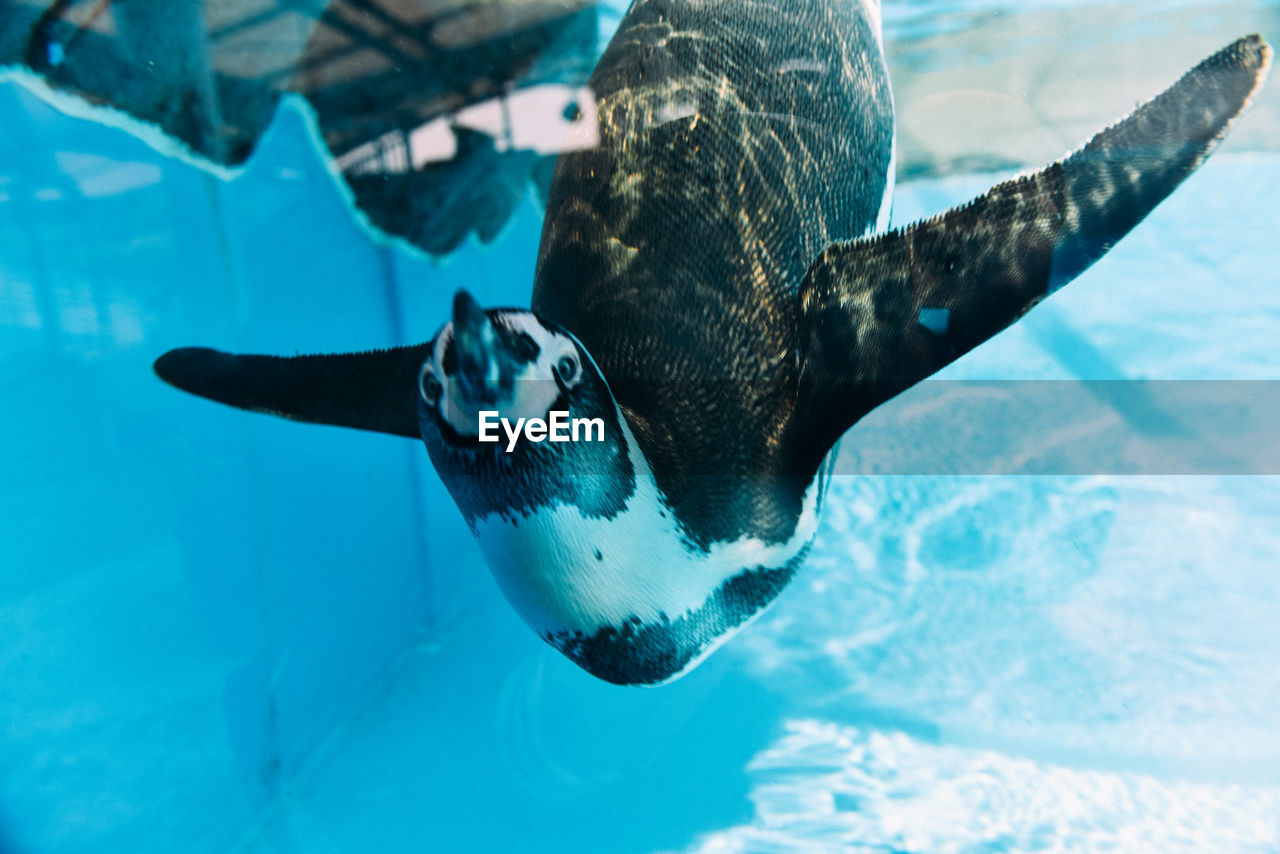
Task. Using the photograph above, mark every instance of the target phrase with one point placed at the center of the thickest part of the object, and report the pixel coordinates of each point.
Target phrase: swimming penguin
(715, 303)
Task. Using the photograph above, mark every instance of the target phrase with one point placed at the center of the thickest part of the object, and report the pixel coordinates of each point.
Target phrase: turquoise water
(227, 633)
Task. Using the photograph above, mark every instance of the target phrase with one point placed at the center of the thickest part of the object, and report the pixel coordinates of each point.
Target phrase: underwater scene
(790, 600)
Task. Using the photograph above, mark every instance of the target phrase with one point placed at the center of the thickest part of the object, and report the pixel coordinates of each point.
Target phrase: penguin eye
(428, 386)
(567, 369)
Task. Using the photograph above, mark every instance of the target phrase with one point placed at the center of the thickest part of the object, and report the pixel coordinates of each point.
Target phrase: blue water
(231, 633)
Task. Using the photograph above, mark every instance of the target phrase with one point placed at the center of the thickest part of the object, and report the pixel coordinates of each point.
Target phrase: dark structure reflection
(438, 112)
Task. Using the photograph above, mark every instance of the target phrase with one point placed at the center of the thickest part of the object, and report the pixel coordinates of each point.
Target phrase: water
(226, 633)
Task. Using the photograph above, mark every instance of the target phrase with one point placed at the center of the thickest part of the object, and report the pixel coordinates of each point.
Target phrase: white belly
(565, 571)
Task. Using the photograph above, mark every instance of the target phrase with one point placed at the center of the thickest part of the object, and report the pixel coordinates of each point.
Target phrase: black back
(737, 141)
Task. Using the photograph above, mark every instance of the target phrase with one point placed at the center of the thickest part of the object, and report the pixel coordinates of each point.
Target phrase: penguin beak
(480, 370)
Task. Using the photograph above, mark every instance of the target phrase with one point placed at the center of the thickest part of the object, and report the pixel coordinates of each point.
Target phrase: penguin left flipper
(376, 390)
(882, 313)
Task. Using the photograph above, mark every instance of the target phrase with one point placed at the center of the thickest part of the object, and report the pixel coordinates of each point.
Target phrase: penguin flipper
(377, 390)
(882, 313)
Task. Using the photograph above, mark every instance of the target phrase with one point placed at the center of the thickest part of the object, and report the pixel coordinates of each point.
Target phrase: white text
(557, 427)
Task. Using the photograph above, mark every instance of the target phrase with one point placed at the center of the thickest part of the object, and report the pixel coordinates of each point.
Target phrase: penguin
(716, 302)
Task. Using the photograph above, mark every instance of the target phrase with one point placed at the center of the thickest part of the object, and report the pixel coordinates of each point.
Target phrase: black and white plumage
(715, 285)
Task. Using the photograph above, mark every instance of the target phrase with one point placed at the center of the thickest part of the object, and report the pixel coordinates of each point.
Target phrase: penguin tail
(376, 390)
(882, 313)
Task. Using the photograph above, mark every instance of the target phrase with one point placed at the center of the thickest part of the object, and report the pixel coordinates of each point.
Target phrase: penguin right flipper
(882, 313)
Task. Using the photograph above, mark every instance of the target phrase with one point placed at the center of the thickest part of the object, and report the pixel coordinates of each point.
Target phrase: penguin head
(490, 376)
(505, 362)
